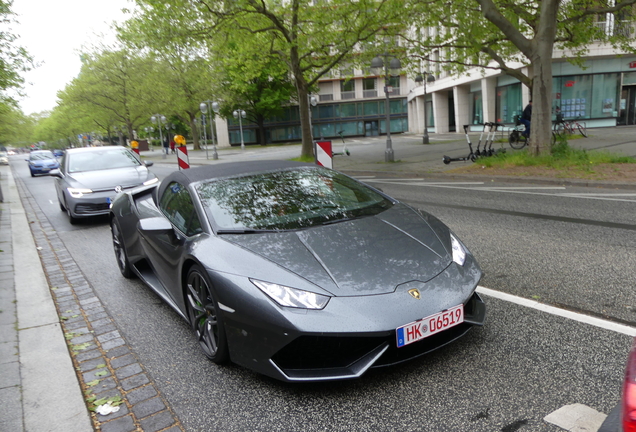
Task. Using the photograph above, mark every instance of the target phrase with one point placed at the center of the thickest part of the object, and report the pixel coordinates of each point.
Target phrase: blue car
(58, 152)
(42, 162)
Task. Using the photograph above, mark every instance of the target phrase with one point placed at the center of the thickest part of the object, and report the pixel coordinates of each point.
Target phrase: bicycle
(562, 127)
(517, 139)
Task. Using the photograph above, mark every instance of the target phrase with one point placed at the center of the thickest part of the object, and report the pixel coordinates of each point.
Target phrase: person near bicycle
(526, 118)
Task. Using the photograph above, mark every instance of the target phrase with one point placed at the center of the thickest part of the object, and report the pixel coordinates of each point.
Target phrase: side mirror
(56, 173)
(149, 163)
(155, 224)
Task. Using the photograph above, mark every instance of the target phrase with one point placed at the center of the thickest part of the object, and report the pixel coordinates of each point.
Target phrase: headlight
(459, 253)
(78, 193)
(151, 181)
(291, 297)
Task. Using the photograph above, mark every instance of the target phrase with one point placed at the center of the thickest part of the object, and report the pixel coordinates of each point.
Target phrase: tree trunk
(307, 149)
(541, 63)
(541, 126)
(195, 131)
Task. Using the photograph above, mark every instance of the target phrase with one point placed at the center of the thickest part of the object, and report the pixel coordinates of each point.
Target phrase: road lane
(521, 366)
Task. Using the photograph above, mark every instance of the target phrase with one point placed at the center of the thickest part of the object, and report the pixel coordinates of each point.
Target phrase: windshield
(41, 155)
(287, 200)
(106, 158)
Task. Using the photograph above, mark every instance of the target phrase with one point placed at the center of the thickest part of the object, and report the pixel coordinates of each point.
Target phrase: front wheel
(582, 130)
(72, 219)
(120, 251)
(515, 140)
(204, 316)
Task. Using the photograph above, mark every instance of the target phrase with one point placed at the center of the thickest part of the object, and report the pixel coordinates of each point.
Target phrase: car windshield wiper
(247, 231)
(335, 221)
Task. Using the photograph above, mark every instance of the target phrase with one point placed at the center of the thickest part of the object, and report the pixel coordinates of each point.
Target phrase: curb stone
(106, 365)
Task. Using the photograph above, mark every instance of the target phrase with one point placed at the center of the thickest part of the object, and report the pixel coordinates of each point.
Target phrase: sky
(54, 31)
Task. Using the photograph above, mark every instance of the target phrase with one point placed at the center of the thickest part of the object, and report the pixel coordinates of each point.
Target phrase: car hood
(108, 179)
(371, 255)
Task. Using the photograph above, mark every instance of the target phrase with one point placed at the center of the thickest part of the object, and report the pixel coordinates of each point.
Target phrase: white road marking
(527, 190)
(576, 418)
(574, 316)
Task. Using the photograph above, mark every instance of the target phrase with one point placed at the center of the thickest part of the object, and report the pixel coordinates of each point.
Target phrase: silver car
(89, 178)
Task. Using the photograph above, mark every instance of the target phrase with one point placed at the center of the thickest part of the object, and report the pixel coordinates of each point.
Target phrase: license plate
(430, 325)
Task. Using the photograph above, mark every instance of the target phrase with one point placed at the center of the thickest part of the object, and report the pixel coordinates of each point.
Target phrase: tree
(114, 87)
(14, 59)
(498, 33)
(258, 84)
(310, 37)
(184, 77)
(16, 129)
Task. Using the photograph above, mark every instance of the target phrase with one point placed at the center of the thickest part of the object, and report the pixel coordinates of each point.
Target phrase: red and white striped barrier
(324, 155)
(182, 157)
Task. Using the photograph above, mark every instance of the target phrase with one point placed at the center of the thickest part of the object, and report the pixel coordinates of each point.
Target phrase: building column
(489, 99)
(461, 98)
(222, 133)
(440, 111)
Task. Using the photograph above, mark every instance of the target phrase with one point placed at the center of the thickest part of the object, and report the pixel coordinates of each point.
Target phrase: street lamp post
(158, 119)
(425, 77)
(205, 134)
(209, 106)
(240, 114)
(389, 68)
(149, 130)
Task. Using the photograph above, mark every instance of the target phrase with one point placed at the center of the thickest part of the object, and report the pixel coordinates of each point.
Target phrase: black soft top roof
(232, 169)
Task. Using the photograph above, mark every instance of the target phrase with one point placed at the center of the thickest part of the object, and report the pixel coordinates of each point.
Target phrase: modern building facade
(602, 92)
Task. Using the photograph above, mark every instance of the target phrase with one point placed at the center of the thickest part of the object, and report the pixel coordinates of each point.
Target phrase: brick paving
(106, 366)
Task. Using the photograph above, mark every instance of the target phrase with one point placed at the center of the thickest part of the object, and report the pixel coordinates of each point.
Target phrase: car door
(165, 249)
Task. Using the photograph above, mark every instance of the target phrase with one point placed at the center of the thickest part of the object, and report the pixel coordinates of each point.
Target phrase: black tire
(72, 219)
(120, 250)
(582, 129)
(204, 315)
(32, 175)
(515, 140)
(62, 206)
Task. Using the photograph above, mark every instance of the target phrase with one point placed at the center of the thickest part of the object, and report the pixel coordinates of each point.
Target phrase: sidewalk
(39, 390)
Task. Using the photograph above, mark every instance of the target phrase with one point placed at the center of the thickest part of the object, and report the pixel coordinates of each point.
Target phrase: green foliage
(308, 38)
(14, 60)
(561, 156)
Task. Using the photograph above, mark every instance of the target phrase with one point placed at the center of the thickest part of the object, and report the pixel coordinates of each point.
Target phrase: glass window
(368, 83)
(476, 108)
(176, 204)
(289, 133)
(249, 136)
(605, 95)
(290, 199)
(508, 103)
(325, 111)
(371, 108)
(347, 110)
(348, 86)
(575, 95)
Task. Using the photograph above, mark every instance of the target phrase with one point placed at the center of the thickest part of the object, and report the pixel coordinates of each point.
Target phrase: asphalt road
(550, 245)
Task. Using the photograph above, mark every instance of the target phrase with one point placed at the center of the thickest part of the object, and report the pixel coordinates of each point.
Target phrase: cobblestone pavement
(107, 367)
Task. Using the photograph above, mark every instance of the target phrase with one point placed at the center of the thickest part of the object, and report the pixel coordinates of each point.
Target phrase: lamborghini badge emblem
(415, 293)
